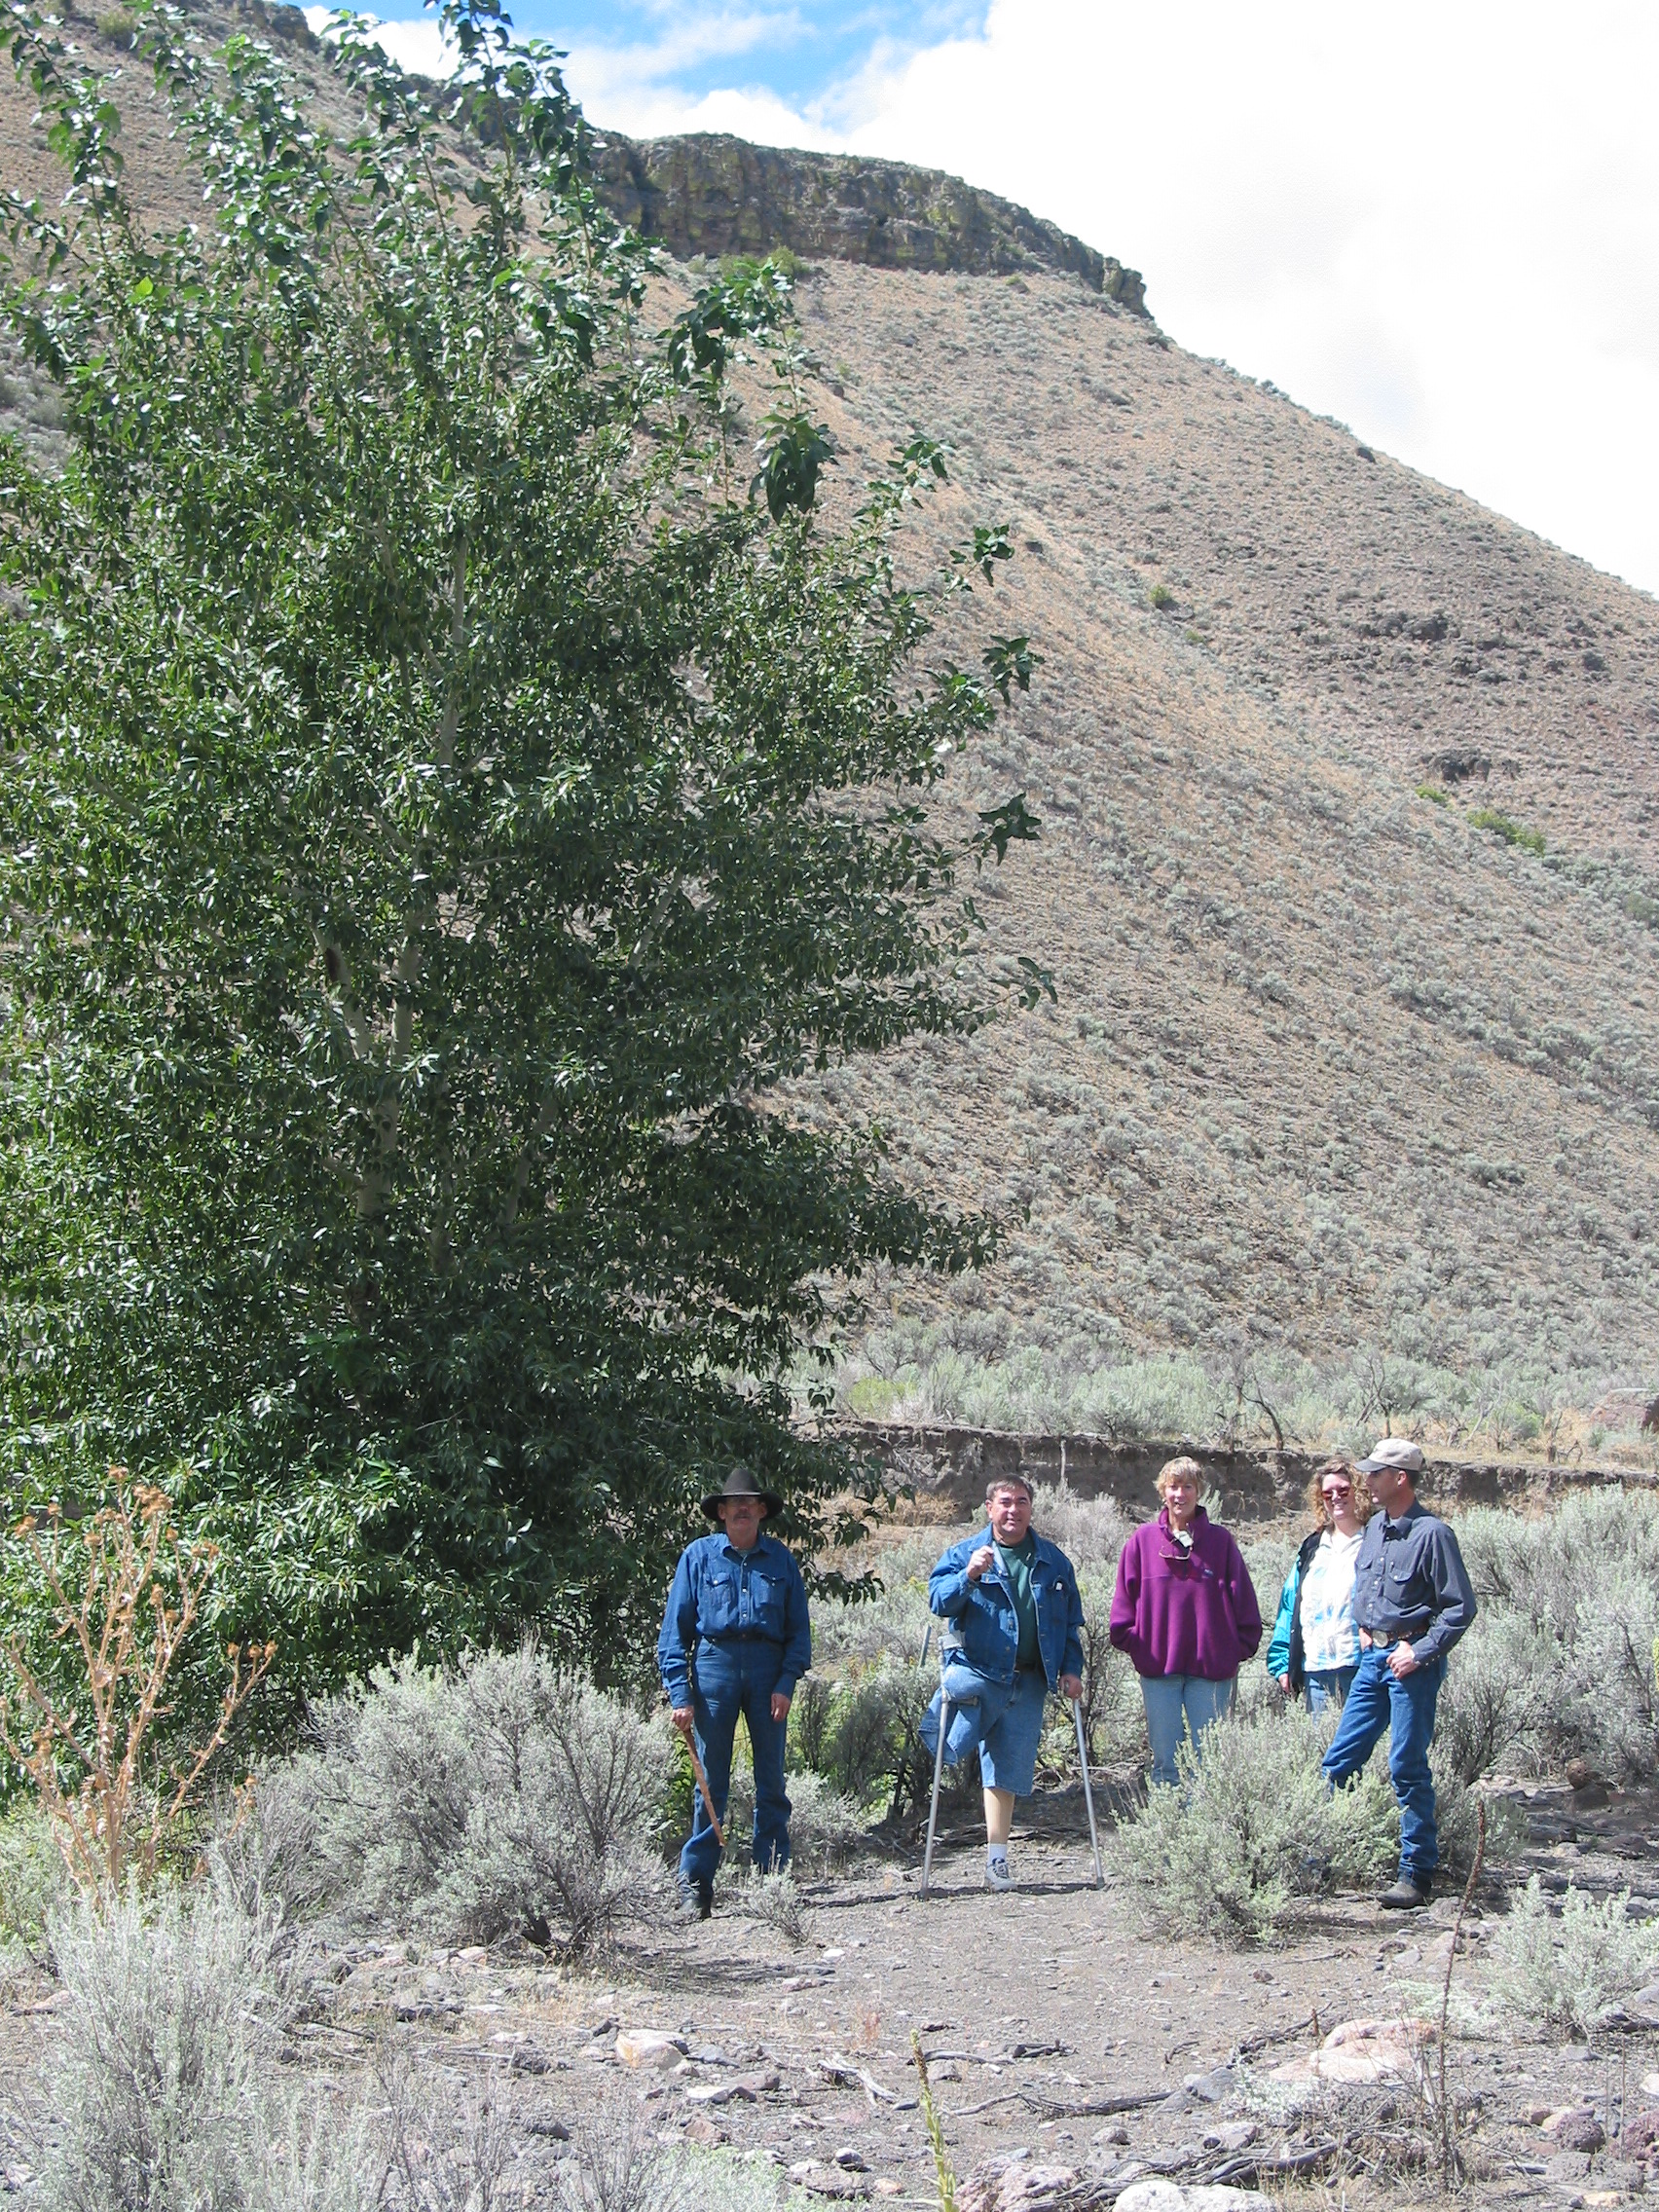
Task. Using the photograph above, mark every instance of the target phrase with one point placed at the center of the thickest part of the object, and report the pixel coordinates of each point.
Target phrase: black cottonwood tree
(442, 801)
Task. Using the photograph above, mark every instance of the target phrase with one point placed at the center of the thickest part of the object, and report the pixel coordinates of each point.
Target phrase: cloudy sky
(1439, 223)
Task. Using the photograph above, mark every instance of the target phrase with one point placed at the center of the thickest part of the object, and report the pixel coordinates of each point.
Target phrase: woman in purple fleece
(1186, 1613)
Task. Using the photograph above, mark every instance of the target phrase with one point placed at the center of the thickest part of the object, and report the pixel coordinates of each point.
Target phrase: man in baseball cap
(1412, 1601)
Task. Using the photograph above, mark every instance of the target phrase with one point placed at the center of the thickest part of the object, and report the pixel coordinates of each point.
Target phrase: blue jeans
(1179, 1706)
(738, 1678)
(1330, 1685)
(1406, 1710)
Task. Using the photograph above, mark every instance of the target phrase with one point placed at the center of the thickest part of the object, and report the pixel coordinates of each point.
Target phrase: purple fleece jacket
(1180, 1616)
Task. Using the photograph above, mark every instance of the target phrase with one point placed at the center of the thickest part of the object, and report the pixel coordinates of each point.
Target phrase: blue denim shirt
(721, 1596)
(1410, 1581)
(985, 1610)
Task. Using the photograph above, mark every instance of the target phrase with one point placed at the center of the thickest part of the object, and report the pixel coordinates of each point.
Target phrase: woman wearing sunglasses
(1315, 1649)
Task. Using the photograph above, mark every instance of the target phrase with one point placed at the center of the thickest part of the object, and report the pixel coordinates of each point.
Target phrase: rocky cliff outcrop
(713, 194)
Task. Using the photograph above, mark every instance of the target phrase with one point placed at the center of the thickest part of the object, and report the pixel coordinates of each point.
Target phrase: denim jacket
(721, 1596)
(985, 1614)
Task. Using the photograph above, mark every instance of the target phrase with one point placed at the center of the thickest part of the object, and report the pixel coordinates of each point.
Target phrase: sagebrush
(1252, 1831)
(503, 1794)
(1563, 1966)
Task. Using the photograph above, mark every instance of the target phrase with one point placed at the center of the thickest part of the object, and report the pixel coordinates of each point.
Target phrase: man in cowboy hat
(1412, 1601)
(735, 1640)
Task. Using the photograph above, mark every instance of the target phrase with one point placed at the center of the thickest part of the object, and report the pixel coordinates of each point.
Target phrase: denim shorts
(1003, 1719)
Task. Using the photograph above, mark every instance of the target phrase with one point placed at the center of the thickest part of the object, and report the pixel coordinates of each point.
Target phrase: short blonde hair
(1364, 1504)
(1184, 1465)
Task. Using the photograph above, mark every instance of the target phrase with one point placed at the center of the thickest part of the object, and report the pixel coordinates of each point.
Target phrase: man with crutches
(1014, 1616)
(735, 1640)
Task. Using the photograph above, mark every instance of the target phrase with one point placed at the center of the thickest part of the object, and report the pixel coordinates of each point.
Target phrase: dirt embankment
(954, 1465)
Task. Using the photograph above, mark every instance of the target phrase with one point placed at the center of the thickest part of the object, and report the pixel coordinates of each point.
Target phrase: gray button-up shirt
(1410, 1581)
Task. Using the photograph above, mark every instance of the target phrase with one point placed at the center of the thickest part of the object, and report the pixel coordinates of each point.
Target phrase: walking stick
(1088, 1791)
(686, 1730)
(939, 1769)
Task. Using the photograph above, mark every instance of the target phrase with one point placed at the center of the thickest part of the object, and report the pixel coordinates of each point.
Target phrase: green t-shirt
(1016, 1566)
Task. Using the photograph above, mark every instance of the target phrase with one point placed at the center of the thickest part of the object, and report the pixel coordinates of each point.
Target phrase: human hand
(1402, 1661)
(1283, 1682)
(685, 1719)
(1071, 1686)
(779, 1706)
(986, 1557)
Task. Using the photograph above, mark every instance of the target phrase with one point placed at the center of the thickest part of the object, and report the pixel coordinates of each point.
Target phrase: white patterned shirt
(1329, 1638)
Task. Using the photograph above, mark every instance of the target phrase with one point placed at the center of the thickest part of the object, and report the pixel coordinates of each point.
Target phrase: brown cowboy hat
(740, 1483)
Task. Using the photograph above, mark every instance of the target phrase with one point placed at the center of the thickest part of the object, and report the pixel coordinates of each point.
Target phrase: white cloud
(1434, 219)
(417, 44)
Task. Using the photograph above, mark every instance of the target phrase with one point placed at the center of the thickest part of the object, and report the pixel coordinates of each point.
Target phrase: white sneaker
(997, 1875)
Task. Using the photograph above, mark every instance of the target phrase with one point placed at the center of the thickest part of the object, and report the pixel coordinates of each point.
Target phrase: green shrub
(1584, 1584)
(1564, 1971)
(826, 1829)
(1160, 596)
(1512, 833)
(1251, 1831)
(1433, 793)
(736, 267)
(33, 1878)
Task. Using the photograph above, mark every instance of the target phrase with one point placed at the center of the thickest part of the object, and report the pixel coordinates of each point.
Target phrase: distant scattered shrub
(1564, 1971)
(1251, 1831)
(508, 1794)
(1091, 1531)
(1512, 833)
(1160, 596)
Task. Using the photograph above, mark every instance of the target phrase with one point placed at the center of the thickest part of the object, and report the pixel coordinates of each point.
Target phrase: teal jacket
(1284, 1650)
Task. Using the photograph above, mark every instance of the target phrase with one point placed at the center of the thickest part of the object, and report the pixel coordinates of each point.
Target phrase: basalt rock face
(713, 194)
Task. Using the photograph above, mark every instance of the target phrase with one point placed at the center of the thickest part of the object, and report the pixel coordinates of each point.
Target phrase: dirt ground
(1062, 2032)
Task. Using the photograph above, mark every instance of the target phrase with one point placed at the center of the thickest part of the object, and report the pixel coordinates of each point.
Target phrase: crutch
(944, 1650)
(1088, 1791)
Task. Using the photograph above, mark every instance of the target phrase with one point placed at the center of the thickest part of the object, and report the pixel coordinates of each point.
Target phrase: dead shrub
(125, 1592)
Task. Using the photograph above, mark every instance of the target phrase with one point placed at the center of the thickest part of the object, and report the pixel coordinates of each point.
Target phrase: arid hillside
(1350, 877)
(1350, 795)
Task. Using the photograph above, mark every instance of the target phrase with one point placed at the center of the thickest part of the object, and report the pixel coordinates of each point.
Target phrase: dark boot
(1407, 1893)
(697, 1898)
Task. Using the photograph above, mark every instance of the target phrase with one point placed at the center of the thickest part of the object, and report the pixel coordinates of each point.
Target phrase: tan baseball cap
(1396, 1453)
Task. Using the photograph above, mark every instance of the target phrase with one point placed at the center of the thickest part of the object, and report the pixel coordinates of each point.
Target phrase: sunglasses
(1338, 1490)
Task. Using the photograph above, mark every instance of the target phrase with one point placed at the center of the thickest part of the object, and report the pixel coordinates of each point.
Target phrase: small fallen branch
(1097, 2107)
